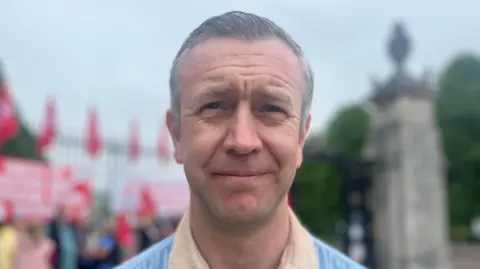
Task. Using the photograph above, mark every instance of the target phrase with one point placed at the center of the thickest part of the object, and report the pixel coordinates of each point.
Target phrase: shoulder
(329, 257)
(156, 257)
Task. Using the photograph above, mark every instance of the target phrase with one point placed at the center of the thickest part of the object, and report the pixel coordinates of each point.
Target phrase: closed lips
(239, 173)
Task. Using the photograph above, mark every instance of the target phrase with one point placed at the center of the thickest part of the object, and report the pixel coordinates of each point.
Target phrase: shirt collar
(299, 253)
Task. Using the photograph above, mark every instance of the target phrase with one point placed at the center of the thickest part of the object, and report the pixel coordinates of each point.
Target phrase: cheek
(283, 144)
(199, 143)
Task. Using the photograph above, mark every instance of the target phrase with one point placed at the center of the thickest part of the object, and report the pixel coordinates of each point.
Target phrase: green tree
(319, 185)
(348, 130)
(458, 115)
(318, 204)
(23, 145)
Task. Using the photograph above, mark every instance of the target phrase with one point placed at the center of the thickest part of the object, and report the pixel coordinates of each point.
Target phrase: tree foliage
(318, 201)
(348, 130)
(458, 115)
(23, 145)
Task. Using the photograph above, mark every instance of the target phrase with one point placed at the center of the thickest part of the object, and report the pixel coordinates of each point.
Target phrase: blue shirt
(157, 257)
(68, 244)
(106, 242)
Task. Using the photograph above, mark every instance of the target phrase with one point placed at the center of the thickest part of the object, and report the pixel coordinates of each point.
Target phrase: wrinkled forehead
(214, 52)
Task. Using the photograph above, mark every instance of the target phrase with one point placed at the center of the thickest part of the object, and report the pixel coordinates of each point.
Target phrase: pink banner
(35, 189)
(170, 197)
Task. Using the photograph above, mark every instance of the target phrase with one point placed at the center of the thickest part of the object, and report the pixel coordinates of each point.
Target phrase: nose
(242, 137)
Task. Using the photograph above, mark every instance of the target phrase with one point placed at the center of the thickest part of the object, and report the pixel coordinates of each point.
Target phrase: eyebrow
(274, 95)
(220, 92)
(216, 92)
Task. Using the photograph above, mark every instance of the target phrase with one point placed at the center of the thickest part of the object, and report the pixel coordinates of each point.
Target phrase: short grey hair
(246, 27)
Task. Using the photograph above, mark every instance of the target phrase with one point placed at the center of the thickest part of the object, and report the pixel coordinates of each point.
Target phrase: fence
(111, 165)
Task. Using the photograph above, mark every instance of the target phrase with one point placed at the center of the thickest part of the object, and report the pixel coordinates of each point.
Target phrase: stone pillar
(409, 189)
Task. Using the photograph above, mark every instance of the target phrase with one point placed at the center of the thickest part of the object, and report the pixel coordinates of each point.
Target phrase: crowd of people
(64, 244)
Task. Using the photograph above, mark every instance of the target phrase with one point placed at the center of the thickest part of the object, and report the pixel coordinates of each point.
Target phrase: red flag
(2, 164)
(8, 120)
(48, 132)
(163, 146)
(147, 204)
(8, 212)
(94, 141)
(124, 231)
(134, 144)
(80, 200)
(82, 187)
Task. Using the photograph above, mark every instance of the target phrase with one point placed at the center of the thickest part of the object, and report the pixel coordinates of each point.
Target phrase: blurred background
(85, 89)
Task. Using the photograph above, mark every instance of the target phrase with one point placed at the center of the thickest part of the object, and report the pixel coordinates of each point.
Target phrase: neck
(259, 246)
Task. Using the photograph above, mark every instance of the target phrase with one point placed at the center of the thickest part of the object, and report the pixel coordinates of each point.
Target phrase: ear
(174, 131)
(301, 140)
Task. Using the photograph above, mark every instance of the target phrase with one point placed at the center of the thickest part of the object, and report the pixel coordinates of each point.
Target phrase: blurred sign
(170, 197)
(34, 189)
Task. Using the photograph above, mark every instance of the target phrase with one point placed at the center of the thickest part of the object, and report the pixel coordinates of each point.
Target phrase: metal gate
(357, 177)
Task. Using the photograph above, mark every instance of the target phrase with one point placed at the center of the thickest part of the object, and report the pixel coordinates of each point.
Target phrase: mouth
(239, 174)
(239, 181)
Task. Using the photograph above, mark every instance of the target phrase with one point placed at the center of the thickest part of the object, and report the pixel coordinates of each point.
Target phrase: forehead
(273, 55)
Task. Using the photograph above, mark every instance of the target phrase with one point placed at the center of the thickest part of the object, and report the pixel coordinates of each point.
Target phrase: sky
(116, 55)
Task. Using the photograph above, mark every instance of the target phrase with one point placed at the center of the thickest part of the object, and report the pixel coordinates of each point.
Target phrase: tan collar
(299, 254)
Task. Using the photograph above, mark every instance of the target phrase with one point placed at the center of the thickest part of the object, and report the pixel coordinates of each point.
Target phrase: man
(147, 232)
(108, 254)
(81, 228)
(241, 92)
(64, 236)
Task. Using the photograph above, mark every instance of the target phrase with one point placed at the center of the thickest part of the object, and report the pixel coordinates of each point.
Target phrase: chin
(243, 213)
(240, 218)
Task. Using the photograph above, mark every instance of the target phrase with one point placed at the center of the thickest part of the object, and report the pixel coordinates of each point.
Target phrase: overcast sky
(116, 54)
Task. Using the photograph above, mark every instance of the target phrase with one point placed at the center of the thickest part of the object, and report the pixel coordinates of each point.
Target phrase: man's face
(239, 137)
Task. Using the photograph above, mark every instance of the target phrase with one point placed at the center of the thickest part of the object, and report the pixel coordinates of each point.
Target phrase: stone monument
(409, 189)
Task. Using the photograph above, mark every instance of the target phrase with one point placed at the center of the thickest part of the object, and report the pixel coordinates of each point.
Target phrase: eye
(273, 109)
(213, 105)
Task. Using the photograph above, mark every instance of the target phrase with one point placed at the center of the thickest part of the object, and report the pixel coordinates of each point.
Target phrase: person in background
(147, 232)
(165, 227)
(8, 242)
(108, 252)
(85, 260)
(34, 249)
(63, 234)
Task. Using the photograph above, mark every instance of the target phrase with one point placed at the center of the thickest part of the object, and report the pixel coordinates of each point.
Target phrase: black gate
(357, 176)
